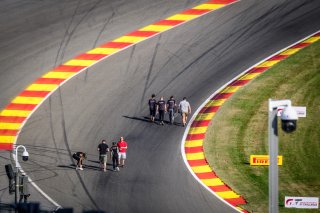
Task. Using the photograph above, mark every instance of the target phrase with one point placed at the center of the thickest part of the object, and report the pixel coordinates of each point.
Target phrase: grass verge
(239, 129)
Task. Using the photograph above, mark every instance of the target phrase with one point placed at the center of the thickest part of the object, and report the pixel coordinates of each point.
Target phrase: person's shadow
(86, 166)
(73, 166)
(142, 118)
(147, 119)
(98, 162)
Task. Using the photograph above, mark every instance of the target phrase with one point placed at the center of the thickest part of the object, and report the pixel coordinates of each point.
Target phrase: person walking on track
(103, 149)
(161, 108)
(152, 107)
(185, 110)
(114, 155)
(171, 105)
(123, 146)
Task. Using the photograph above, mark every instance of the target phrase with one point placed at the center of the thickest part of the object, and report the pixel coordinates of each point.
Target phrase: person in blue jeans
(162, 109)
(171, 106)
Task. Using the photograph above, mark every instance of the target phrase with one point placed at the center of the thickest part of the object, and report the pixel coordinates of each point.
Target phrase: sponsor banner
(302, 202)
(263, 160)
(301, 111)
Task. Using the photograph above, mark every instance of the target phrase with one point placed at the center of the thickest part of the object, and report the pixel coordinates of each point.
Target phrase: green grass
(239, 129)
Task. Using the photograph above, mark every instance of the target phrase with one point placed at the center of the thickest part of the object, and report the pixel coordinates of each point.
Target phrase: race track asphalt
(109, 99)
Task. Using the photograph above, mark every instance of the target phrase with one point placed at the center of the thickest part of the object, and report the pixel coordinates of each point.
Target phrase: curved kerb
(192, 142)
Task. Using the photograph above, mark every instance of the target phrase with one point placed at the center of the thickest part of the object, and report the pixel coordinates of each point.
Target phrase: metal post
(273, 159)
(16, 186)
(273, 152)
(17, 173)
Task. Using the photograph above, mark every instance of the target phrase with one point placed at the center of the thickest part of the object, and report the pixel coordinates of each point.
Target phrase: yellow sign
(263, 160)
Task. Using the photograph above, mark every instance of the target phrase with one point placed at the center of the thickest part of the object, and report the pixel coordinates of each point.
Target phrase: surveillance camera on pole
(25, 156)
(289, 119)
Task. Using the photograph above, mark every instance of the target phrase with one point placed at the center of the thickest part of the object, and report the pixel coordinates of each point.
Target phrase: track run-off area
(109, 99)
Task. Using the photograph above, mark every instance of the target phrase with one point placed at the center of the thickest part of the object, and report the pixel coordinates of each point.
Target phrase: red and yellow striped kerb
(193, 145)
(13, 116)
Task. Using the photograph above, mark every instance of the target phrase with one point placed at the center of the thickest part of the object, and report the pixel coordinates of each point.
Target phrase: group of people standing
(117, 153)
(161, 107)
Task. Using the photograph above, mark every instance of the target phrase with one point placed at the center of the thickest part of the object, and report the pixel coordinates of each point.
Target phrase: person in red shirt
(122, 145)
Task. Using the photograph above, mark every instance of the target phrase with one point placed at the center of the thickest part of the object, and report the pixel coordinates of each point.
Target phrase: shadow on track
(142, 118)
(147, 119)
(85, 166)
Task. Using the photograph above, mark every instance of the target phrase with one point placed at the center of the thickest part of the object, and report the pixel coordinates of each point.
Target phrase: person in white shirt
(185, 110)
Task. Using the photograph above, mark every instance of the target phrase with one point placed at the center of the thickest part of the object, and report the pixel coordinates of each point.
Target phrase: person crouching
(79, 157)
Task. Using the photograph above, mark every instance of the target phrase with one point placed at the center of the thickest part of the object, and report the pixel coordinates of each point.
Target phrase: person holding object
(103, 149)
(185, 110)
(122, 145)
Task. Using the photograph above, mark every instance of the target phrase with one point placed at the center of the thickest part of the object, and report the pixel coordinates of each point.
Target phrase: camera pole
(273, 167)
(17, 172)
(273, 153)
(16, 193)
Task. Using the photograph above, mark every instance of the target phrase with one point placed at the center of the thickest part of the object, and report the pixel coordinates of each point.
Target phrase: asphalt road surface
(109, 100)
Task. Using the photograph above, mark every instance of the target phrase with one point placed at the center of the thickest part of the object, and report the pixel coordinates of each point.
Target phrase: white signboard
(301, 111)
(302, 202)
